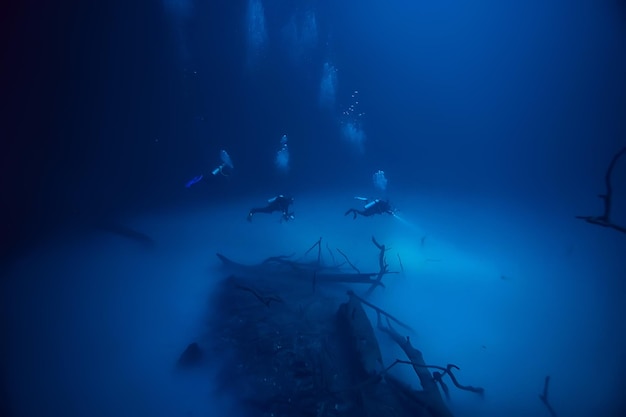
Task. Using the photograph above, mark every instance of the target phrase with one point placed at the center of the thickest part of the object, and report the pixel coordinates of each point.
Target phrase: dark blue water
(494, 123)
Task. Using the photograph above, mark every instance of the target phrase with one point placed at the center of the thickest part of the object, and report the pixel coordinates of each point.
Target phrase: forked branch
(544, 397)
(604, 220)
(382, 265)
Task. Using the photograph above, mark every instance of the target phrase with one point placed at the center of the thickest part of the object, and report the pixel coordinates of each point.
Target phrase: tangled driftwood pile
(292, 338)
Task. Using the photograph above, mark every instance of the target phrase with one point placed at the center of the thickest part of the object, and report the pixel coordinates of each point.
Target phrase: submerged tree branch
(430, 393)
(400, 260)
(265, 299)
(382, 265)
(604, 220)
(439, 375)
(348, 260)
(331, 254)
(380, 311)
(319, 250)
(544, 396)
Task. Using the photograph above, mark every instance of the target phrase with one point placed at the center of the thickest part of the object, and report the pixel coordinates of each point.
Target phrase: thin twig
(319, 251)
(397, 361)
(265, 299)
(604, 220)
(380, 311)
(331, 254)
(348, 260)
(319, 258)
(382, 264)
(400, 260)
(544, 397)
(318, 243)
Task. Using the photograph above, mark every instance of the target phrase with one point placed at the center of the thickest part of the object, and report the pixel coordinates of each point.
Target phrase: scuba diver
(226, 166)
(373, 207)
(278, 203)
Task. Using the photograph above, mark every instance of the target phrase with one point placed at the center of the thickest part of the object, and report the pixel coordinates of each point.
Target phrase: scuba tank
(371, 204)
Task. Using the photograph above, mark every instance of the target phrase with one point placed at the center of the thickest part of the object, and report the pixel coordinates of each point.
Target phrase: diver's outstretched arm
(267, 209)
(254, 210)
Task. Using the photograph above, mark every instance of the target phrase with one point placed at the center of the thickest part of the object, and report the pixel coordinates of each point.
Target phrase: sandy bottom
(508, 293)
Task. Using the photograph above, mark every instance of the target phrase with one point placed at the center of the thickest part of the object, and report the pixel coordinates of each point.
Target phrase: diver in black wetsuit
(373, 207)
(278, 203)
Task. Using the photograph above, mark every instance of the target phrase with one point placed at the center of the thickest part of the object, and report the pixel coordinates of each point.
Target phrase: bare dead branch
(400, 260)
(544, 396)
(382, 264)
(380, 311)
(331, 254)
(477, 390)
(348, 260)
(378, 245)
(604, 219)
(431, 394)
(319, 251)
(445, 371)
(438, 377)
(265, 299)
(317, 244)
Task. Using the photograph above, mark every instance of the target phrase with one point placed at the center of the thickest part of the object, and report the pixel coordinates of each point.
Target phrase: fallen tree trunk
(297, 270)
(283, 350)
(430, 396)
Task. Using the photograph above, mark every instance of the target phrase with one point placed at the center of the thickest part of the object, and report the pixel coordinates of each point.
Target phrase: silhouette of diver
(278, 203)
(373, 207)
